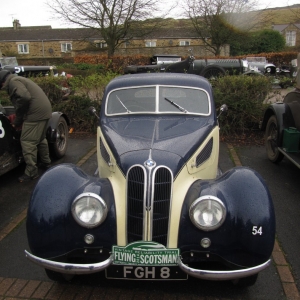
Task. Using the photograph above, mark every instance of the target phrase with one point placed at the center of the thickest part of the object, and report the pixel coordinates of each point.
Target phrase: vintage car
(160, 208)
(10, 64)
(208, 68)
(10, 146)
(281, 123)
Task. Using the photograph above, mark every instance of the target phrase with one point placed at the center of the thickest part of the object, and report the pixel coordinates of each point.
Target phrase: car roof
(142, 79)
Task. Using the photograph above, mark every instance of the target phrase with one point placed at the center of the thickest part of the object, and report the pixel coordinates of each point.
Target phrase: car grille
(155, 206)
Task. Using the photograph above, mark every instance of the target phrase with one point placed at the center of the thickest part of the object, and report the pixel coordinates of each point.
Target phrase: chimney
(16, 24)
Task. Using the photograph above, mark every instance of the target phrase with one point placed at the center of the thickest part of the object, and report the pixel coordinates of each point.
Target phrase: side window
(23, 48)
(66, 47)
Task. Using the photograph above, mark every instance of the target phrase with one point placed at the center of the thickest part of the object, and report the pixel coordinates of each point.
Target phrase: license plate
(144, 253)
(145, 273)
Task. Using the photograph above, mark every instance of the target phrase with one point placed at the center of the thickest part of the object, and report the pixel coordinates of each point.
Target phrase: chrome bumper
(68, 268)
(222, 275)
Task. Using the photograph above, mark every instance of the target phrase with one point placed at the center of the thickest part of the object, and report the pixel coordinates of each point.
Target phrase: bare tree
(115, 20)
(217, 21)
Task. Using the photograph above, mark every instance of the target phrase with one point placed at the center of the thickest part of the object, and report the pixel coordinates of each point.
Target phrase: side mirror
(93, 112)
(223, 109)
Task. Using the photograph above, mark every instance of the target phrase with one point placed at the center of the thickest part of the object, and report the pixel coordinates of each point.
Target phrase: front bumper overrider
(70, 268)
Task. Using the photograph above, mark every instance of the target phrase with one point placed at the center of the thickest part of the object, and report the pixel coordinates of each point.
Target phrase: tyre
(212, 72)
(59, 277)
(59, 147)
(271, 140)
(246, 281)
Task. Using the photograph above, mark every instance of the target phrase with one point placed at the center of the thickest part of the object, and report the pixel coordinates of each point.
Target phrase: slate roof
(46, 33)
(281, 27)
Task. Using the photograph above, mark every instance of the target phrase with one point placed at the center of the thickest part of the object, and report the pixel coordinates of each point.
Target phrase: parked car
(208, 68)
(160, 208)
(10, 64)
(10, 146)
(281, 123)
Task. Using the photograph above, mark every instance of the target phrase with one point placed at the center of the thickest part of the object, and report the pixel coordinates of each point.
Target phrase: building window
(66, 47)
(291, 38)
(150, 44)
(23, 48)
(184, 43)
(101, 45)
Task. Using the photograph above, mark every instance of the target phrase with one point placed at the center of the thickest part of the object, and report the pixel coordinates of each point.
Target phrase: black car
(209, 68)
(10, 64)
(10, 145)
(160, 209)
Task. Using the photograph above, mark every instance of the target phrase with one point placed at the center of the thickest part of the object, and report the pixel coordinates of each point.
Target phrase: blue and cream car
(160, 207)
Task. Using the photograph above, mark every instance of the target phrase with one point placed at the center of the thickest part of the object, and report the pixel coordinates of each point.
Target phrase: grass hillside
(282, 15)
(267, 17)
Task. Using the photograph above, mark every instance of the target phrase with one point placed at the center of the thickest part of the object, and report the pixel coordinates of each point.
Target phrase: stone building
(291, 32)
(45, 42)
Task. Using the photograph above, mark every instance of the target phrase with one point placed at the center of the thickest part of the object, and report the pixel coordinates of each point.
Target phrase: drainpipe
(43, 48)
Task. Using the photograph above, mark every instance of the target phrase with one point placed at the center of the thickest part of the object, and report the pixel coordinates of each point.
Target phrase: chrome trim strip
(222, 275)
(68, 268)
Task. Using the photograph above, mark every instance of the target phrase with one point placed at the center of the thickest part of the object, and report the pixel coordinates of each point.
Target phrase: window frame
(290, 38)
(184, 43)
(151, 43)
(64, 47)
(21, 47)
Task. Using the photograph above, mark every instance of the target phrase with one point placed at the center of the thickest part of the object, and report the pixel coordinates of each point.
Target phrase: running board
(293, 157)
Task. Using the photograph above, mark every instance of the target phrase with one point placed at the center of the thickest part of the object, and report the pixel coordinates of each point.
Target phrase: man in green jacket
(33, 110)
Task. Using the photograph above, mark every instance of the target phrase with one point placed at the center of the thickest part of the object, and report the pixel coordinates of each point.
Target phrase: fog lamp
(89, 239)
(205, 242)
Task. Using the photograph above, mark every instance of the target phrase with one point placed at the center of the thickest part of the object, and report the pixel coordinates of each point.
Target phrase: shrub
(244, 96)
(86, 91)
(4, 98)
(76, 108)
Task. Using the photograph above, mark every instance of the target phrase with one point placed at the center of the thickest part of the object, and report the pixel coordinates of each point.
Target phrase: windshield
(158, 100)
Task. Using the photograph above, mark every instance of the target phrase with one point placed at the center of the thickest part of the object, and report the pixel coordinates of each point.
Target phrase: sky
(37, 13)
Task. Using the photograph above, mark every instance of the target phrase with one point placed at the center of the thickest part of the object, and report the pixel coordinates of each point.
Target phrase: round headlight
(89, 210)
(207, 213)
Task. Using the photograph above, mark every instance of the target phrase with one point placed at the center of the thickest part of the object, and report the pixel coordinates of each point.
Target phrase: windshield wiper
(123, 105)
(177, 105)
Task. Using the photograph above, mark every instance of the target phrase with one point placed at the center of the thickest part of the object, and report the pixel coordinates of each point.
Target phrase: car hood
(167, 140)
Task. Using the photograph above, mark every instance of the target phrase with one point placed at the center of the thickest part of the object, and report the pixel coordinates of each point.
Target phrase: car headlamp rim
(200, 200)
(101, 204)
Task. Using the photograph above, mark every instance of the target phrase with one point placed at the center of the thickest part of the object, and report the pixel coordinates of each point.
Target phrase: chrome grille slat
(161, 205)
(135, 204)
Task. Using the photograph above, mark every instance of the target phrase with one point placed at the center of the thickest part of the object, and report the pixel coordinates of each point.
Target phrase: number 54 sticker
(257, 230)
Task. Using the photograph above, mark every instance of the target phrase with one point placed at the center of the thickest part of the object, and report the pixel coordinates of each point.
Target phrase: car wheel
(271, 140)
(59, 147)
(212, 72)
(59, 277)
(246, 281)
